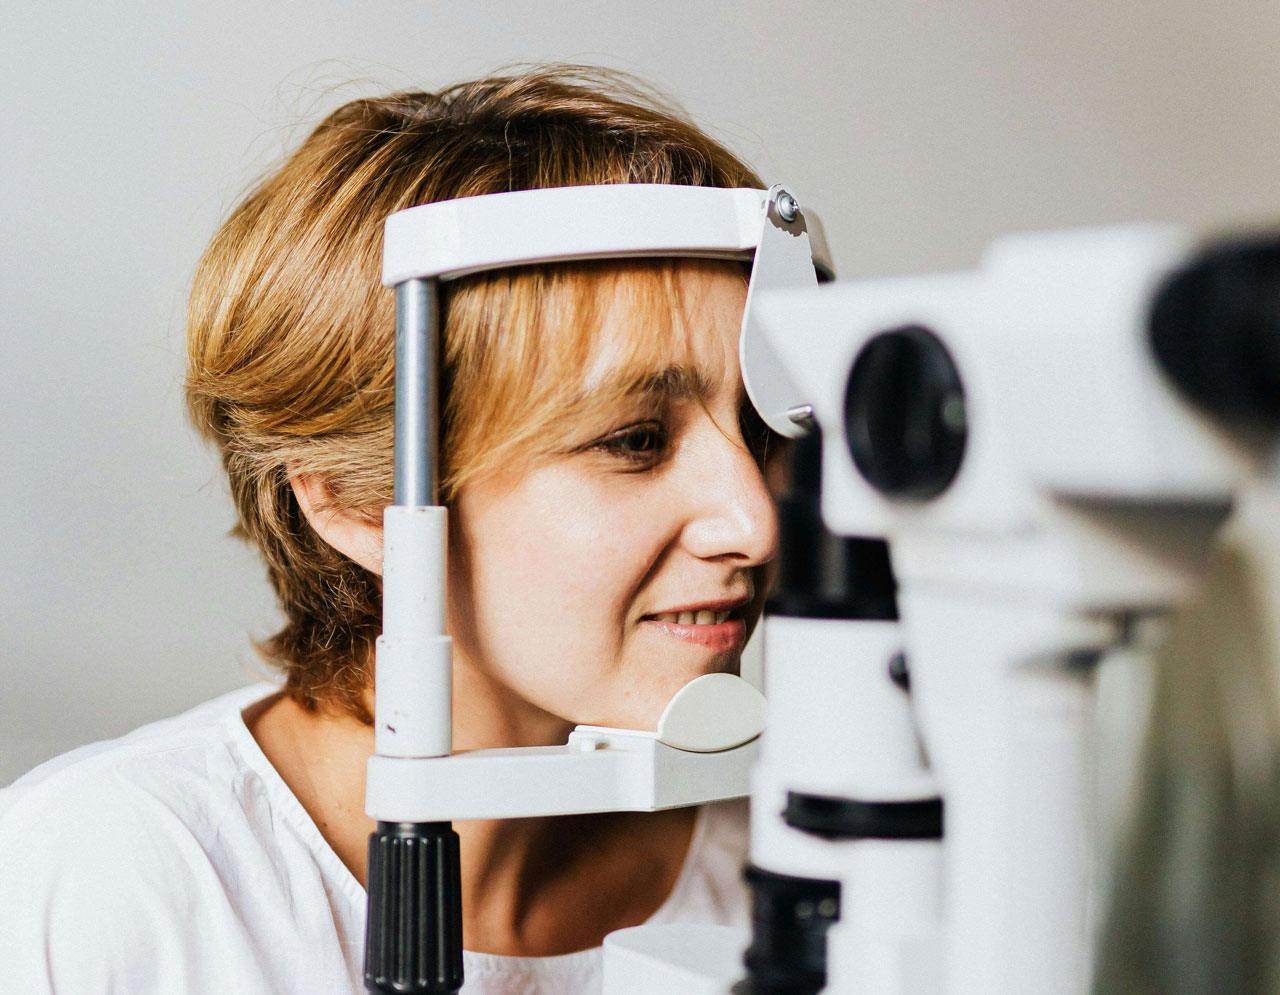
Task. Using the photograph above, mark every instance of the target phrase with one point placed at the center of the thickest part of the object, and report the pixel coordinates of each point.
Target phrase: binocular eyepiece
(1213, 327)
(1215, 330)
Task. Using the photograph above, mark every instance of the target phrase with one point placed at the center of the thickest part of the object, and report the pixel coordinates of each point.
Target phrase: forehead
(672, 331)
(538, 356)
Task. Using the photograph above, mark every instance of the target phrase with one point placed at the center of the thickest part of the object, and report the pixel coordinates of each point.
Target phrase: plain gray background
(919, 129)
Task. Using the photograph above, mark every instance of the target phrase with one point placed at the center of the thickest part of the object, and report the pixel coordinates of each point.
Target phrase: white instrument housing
(1087, 500)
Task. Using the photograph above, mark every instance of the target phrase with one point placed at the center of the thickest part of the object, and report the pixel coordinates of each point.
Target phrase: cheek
(568, 549)
(554, 570)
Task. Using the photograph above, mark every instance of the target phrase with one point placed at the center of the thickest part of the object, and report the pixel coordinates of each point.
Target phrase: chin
(644, 713)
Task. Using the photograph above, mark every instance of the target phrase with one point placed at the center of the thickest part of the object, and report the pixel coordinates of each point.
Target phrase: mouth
(719, 626)
(702, 616)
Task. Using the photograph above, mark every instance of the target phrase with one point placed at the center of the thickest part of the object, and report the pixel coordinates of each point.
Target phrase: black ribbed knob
(413, 933)
(790, 917)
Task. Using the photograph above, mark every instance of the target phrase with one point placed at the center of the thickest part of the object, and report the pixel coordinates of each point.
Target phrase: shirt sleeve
(99, 891)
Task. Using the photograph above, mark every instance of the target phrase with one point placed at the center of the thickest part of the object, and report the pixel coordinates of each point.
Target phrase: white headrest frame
(454, 238)
(449, 239)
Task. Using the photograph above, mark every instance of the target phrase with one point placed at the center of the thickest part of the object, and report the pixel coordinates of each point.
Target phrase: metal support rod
(417, 392)
(413, 931)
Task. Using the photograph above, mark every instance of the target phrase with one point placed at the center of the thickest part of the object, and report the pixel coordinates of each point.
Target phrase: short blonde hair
(290, 334)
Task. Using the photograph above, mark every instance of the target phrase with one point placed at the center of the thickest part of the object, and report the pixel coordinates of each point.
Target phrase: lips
(719, 637)
(716, 625)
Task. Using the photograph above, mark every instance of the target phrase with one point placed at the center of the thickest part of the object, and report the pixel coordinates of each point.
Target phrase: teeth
(692, 618)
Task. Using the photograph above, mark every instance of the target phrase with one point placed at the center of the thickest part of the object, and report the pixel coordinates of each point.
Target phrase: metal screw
(788, 208)
(802, 415)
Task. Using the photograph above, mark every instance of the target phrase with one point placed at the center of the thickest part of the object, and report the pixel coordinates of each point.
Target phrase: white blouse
(176, 860)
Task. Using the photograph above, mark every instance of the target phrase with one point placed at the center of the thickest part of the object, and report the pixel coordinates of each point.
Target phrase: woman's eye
(636, 443)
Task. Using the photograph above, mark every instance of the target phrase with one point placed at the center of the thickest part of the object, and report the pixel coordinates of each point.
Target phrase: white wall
(920, 129)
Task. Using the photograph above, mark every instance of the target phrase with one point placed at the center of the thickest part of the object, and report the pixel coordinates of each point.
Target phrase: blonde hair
(290, 335)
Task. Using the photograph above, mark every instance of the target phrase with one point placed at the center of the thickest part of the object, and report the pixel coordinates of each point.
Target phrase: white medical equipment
(1049, 444)
(1048, 495)
(706, 740)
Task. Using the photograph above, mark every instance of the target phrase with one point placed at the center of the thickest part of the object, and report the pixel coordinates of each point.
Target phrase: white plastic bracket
(789, 252)
(717, 718)
(597, 770)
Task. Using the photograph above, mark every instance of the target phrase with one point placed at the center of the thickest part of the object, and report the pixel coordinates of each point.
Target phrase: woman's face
(598, 582)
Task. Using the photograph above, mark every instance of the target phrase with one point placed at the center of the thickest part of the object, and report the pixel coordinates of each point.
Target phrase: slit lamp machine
(1000, 477)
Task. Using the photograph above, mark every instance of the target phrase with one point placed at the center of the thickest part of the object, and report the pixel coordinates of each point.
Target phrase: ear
(350, 534)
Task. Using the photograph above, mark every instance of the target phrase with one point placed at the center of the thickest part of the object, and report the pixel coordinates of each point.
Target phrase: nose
(732, 516)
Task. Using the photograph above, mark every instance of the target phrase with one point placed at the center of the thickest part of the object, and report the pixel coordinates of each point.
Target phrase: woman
(610, 537)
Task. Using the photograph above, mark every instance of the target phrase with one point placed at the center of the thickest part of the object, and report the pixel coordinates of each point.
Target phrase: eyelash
(617, 444)
(761, 440)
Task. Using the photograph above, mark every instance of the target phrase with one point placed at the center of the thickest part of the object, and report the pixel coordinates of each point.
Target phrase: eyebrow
(676, 381)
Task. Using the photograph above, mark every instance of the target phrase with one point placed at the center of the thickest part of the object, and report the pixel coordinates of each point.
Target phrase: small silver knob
(788, 207)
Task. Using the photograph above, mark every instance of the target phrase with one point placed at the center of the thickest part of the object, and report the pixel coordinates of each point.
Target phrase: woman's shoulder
(169, 761)
(121, 854)
(131, 809)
